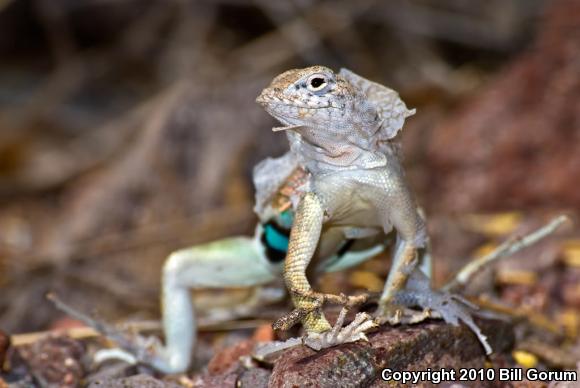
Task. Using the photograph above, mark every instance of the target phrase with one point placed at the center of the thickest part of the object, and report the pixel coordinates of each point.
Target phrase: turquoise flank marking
(286, 218)
(275, 239)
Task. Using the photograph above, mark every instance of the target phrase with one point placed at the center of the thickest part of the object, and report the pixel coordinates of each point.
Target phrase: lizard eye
(316, 83)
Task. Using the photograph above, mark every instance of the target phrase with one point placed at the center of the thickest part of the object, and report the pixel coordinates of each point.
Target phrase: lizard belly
(349, 204)
(370, 198)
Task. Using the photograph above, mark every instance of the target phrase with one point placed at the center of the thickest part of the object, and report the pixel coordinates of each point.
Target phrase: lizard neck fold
(339, 155)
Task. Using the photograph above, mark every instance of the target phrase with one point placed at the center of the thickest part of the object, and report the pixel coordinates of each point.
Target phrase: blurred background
(128, 128)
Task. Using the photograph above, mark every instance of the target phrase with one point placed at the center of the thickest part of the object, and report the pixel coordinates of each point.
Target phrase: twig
(135, 327)
(116, 335)
(94, 329)
(29, 338)
(508, 248)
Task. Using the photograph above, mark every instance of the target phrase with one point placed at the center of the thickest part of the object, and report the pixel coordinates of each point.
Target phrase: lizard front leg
(404, 262)
(411, 251)
(304, 238)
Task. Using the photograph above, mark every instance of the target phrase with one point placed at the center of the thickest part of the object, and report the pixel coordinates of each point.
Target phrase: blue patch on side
(286, 218)
(275, 239)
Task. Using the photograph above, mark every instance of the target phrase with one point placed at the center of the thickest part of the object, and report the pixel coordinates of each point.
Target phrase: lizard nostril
(262, 99)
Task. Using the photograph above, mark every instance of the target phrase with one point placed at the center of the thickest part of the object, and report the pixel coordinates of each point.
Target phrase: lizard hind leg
(232, 262)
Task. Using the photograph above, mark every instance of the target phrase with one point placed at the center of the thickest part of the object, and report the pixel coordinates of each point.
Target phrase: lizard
(343, 129)
(337, 198)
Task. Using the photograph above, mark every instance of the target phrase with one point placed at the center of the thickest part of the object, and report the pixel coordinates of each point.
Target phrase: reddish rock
(137, 381)
(65, 323)
(264, 333)
(430, 345)
(226, 379)
(55, 360)
(226, 358)
(238, 376)
(226, 370)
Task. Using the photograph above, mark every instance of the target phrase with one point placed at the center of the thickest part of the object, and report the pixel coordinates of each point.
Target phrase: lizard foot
(389, 313)
(143, 350)
(317, 300)
(452, 308)
(354, 331)
(396, 315)
(138, 349)
(337, 335)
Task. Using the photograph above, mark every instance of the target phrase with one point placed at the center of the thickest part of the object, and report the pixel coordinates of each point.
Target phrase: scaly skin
(341, 127)
(304, 238)
(338, 193)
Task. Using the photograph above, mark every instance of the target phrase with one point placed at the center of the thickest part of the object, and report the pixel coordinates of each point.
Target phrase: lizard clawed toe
(389, 313)
(412, 317)
(290, 319)
(400, 315)
(105, 355)
(340, 334)
(141, 350)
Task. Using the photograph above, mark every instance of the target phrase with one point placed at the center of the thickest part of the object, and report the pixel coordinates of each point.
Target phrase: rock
(238, 376)
(226, 358)
(55, 360)
(433, 344)
(226, 370)
(256, 377)
(137, 381)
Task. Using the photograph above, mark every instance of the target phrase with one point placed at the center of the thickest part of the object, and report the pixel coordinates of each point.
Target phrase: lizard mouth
(274, 104)
(269, 101)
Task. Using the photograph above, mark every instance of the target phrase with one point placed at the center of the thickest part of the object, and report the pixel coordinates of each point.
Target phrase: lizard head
(332, 113)
(314, 97)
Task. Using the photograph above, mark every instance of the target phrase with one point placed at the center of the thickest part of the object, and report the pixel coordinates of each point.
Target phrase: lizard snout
(263, 99)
